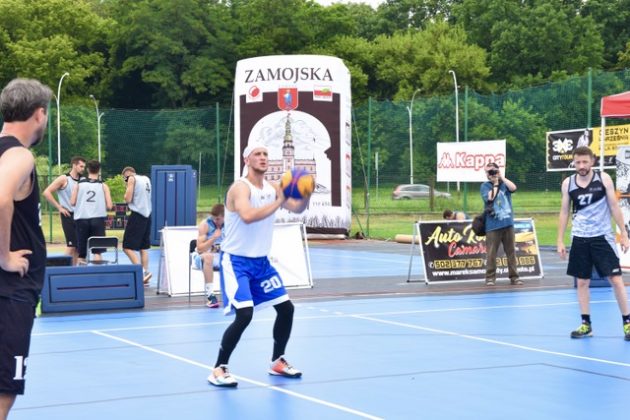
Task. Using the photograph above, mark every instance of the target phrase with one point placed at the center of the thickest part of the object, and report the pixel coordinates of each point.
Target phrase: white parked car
(413, 191)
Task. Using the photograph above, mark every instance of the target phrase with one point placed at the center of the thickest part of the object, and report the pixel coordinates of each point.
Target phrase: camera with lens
(493, 172)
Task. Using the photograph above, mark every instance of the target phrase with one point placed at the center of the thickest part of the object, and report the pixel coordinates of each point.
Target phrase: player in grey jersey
(63, 186)
(138, 230)
(593, 197)
(91, 200)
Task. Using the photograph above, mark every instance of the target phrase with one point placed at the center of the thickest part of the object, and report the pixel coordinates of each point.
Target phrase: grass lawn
(388, 217)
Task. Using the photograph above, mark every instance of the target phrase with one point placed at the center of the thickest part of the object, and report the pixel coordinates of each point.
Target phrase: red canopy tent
(613, 106)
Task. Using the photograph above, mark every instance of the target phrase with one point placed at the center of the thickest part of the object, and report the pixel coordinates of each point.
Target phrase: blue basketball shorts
(249, 282)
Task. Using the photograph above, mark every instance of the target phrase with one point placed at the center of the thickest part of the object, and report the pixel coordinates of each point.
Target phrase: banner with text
(623, 193)
(560, 145)
(452, 252)
(299, 106)
(465, 161)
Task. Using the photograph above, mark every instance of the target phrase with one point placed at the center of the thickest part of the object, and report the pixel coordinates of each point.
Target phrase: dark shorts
(597, 252)
(137, 233)
(69, 230)
(87, 228)
(16, 323)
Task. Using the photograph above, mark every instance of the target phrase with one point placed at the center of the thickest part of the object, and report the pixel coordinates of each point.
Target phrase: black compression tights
(233, 333)
(281, 331)
(282, 328)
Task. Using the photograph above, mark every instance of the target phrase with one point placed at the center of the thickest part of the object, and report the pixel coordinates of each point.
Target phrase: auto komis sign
(466, 161)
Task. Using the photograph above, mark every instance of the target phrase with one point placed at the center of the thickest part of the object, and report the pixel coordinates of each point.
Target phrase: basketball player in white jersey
(247, 277)
(592, 195)
(91, 200)
(63, 186)
(138, 230)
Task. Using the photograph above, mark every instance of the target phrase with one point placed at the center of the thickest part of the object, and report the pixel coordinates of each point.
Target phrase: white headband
(251, 147)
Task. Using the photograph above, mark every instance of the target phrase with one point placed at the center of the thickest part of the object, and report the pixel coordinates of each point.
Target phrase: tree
(43, 39)
(537, 38)
(171, 54)
(422, 59)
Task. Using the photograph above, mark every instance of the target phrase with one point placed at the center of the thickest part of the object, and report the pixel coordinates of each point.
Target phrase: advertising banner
(299, 106)
(452, 252)
(465, 161)
(623, 193)
(560, 145)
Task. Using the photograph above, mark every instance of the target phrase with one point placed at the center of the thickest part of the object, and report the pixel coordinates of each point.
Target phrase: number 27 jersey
(591, 214)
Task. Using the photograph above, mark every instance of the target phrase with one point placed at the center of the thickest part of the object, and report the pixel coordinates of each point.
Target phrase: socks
(209, 289)
(586, 319)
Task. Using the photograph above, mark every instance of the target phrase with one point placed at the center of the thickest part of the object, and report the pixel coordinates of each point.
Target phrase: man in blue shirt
(497, 196)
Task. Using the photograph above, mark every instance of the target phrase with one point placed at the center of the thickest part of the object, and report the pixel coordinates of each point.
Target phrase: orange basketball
(297, 183)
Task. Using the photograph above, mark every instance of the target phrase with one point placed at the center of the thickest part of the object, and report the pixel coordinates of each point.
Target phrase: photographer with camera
(206, 256)
(496, 194)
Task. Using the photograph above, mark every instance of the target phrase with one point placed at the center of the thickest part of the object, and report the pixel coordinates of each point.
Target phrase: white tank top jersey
(141, 201)
(251, 240)
(90, 200)
(591, 214)
(65, 193)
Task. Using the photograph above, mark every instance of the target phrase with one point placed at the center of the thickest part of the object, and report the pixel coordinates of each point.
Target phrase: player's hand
(562, 251)
(625, 243)
(64, 211)
(17, 262)
(279, 192)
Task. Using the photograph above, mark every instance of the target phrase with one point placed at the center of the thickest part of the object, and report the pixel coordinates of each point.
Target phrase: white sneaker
(280, 367)
(220, 376)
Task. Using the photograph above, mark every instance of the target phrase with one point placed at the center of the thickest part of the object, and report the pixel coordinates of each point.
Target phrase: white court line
(335, 314)
(487, 340)
(241, 378)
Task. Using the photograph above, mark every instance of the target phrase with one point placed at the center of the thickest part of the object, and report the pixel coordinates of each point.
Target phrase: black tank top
(26, 233)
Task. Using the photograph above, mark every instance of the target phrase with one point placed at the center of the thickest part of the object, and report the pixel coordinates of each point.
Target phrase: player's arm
(131, 183)
(59, 183)
(239, 198)
(203, 243)
(615, 210)
(108, 197)
(16, 165)
(563, 218)
(74, 195)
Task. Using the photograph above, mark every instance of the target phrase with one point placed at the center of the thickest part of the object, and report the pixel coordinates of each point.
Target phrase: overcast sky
(373, 3)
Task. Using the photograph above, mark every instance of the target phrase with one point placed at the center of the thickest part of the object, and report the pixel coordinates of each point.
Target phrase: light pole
(98, 126)
(456, 112)
(59, 123)
(410, 110)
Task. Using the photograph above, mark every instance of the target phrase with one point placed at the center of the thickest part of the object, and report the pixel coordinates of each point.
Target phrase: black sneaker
(584, 330)
(212, 301)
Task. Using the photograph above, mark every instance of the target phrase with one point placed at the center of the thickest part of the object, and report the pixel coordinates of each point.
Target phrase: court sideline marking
(491, 341)
(334, 314)
(251, 381)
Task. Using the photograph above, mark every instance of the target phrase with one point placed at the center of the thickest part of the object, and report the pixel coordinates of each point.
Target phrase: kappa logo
(322, 93)
(254, 94)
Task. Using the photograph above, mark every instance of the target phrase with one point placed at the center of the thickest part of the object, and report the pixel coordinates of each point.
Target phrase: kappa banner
(560, 145)
(299, 106)
(465, 161)
(452, 252)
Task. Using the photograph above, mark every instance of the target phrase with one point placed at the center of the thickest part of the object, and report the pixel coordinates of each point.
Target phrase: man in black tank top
(23, 103)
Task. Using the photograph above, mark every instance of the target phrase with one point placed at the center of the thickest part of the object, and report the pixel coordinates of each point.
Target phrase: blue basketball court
(408, 351)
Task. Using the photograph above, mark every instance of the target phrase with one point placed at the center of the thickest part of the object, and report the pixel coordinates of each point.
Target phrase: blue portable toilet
(174, 198)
